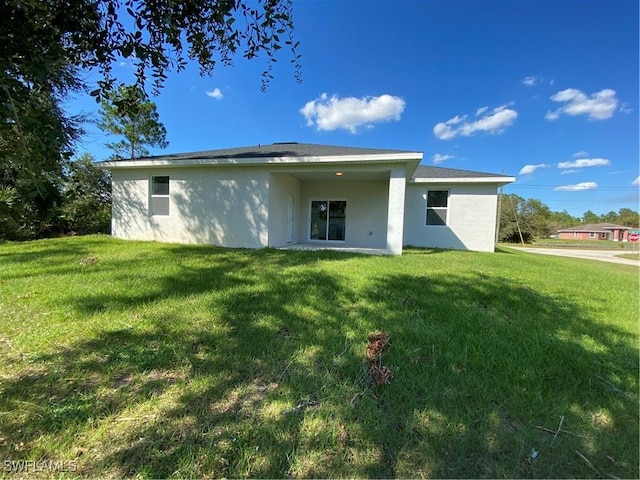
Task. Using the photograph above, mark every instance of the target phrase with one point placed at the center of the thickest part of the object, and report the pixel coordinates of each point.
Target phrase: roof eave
(257, 161)
(491, 180)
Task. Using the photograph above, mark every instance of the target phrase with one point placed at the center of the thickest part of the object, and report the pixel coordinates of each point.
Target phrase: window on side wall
(159, 195)
(592, 234)
(603, 235)
(437, 207)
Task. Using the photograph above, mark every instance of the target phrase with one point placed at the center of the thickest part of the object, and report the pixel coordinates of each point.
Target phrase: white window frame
(159, 204)
(328, 200)
(445, 209)
(593, 235)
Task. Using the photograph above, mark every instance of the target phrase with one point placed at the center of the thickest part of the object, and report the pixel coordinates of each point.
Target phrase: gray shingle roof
(294, 149)
(284, 149)
(426, 171)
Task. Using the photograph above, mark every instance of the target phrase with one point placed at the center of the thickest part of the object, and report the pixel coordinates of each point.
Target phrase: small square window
(592, 234)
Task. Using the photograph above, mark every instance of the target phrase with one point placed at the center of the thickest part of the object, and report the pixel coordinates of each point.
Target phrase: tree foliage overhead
(46, 44)
(167, 32)
(157, 35)
(128, 113)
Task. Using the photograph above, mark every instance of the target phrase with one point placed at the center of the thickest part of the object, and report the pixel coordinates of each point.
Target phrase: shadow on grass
(479, 362)
(207, 379)
(503, 250)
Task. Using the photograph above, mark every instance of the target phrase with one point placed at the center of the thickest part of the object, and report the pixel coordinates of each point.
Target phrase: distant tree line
(535, 220)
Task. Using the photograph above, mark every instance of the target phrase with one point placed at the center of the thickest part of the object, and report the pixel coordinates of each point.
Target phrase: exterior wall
(248, 207)
(584, 236)
(367, 204)
(619, 235)
(221, 206)
(395, 210)
(471, 217)
(281, 185)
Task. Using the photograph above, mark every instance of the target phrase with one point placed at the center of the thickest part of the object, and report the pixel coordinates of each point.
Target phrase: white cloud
(494, 123)
(215, 93)
(625, 108)
(599, 106)
(481, 110)
(585, 162)
(439, 158)
(551, 116)
(528, 169)
(636, 181)
(578, 187)
(531, 80)
(581, 153)
(349, 113)
(567, 172)
(443, 130)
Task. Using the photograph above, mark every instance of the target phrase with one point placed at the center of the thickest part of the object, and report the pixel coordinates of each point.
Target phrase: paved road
(602, 255)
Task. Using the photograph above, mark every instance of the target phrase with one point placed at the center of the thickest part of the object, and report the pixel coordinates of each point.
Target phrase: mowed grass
(584, 244)
(133, 359)
(630, 256)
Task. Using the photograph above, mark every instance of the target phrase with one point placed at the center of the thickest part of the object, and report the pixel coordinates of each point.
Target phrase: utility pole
(499, 213)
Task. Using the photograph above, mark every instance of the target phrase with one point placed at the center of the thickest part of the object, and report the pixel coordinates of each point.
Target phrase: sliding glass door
(328, 220)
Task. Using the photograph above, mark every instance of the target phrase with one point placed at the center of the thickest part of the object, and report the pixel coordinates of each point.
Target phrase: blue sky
(545, 91)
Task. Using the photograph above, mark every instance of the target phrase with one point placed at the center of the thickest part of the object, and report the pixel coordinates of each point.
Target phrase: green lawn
(133, 359)
(630, 256)
(586, 244)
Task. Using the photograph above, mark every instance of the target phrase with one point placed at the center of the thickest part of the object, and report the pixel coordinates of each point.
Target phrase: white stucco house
(292, 193)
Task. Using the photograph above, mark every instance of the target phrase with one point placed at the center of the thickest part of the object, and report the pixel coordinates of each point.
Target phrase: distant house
(289, 193)
(596, 231)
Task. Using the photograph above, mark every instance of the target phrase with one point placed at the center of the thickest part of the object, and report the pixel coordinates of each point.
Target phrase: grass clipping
(379, 374)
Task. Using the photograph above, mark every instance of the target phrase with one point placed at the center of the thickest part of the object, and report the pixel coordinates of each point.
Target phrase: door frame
(328, 200)
(290, 218)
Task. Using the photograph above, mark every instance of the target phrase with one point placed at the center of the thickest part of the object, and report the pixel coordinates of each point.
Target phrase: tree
(590, 217)
(156, 36)
(35, 136)
(560, 220)
(629, 218)
(511, 225)
(610, 217)
(536, 217)
(128, 113)
(527, 217)
(87, 197)
(46, 44)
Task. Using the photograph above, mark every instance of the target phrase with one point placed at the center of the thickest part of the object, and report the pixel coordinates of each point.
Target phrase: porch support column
(395, 216)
